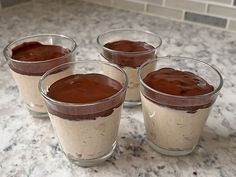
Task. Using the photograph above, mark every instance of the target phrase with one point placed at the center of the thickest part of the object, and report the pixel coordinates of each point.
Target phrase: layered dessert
(174, 111)
(30, 60)
(87, 119)
(129, 55)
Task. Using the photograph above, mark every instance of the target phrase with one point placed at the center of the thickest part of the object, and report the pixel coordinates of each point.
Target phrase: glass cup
(174, 123)
(28, 73)
(129, 61)
(86, 135)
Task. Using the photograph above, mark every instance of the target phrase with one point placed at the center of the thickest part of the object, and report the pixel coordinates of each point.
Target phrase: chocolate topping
(129, 46)
(84, 89)
(35, 51)
(131, 53)
(39, 56)
(175, 82)
(178, 83)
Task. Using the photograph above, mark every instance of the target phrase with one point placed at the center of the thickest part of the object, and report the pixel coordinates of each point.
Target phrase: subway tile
(220, 1)
(232, 25)
(164, 11)
(205, 19)
(222, 11)
(150, 1)
(129, 5)
(8, 3)
(101, 2)
(155, 1)
(187, 5)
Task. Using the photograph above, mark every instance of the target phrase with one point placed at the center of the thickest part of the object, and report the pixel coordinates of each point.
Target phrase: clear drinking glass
(174, 123)
(28, 73)
(129, 61)
(86, 141)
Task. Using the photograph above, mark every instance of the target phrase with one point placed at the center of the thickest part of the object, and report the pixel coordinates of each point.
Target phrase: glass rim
(39, 35)
(124, 87)
(216, 90)
(129, 30)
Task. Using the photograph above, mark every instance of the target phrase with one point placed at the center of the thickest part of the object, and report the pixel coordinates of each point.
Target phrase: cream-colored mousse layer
(28, 87)
(170, 128)
(87, 139)
(132, 92)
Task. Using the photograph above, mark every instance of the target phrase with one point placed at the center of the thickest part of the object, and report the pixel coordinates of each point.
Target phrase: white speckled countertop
(28, 147)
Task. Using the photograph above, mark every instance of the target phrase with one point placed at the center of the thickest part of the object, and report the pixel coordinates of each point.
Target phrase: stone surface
(28, 146)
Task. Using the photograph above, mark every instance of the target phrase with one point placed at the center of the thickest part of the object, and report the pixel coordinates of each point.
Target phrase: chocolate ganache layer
(85, 89)
(130, 53)
(34, 58)
(178, 83)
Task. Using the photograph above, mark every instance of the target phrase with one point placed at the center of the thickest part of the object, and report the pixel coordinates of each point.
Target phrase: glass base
(169, 152)
(39, 115)
(130, 104)
(92, 162)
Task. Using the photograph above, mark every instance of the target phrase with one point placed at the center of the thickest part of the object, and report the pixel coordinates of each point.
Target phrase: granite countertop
(28, 146)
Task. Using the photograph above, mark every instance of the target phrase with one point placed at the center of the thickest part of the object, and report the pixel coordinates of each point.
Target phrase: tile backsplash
(215, 13)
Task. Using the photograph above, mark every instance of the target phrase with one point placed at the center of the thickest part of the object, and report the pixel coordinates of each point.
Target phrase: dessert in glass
(85, 107)
(30, 57)
(129, 49)
(177, 95)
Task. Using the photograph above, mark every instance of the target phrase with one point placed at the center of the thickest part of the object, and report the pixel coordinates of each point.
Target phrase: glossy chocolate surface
(178, 83)
(35, 51)
(175, 82)
(131, 53)
(34, 58)
(85, 89)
